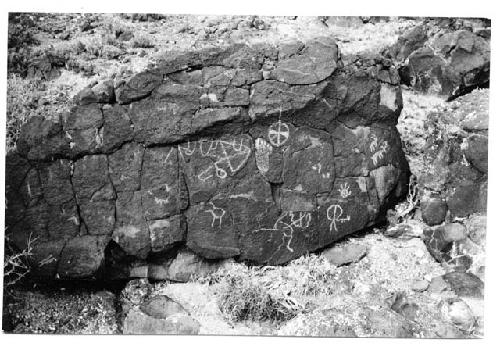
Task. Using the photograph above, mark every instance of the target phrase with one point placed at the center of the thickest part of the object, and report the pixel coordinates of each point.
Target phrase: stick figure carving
(335, 217)
(217, 214)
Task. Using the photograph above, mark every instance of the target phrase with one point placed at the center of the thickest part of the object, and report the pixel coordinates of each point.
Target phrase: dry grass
(28, 98)
(61, 313)
(16, 263)
(404, 211)
(370, 38)
(272, 293)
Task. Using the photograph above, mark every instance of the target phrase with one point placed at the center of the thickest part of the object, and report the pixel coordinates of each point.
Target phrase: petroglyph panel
(160, 190)
(204, 151)
(211, 231)
(211, 164)
(292, 233)
(308, 162)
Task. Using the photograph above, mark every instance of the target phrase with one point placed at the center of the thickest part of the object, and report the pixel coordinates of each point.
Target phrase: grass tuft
(272, 293)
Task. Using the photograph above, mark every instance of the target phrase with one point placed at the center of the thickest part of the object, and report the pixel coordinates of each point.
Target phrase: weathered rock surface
(439, 59)
(138, 322)
(161, 307)
(459, 314)
(453, 181)
(433, 211)
(260, 153)
(345, 254)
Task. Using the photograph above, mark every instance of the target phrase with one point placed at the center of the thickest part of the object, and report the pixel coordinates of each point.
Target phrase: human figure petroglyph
(297, 220)
(285, 236)
(334, 214)
(278, 133)
(344, 190)
(217, 214)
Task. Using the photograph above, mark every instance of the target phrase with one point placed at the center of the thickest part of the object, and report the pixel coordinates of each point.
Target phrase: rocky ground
(368, 285)
(391, 281)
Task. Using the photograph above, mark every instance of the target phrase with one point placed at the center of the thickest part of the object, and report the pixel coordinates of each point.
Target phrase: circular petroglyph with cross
(279, 133)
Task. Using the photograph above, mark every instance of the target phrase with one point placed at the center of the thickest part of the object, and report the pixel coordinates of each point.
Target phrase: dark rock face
(259, 153)
(433, 211)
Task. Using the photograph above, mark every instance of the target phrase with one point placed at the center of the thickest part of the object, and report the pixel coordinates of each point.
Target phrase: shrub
(244, 298)
(20, 106)
(142, 41)
(16, 263)
(20, 37)
(272, 293)
(406, 209)
(27, 98)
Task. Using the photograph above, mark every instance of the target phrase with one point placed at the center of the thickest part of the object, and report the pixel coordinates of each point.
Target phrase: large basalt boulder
(448, 60)
(260, 153)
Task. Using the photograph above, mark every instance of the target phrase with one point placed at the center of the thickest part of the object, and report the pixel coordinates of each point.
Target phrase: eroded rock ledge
(260, 153)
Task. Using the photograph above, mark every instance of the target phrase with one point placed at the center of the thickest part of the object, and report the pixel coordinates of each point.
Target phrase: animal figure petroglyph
(217, 214)
(373, 143)
(378, 148)
(380, 153)
(334, 214)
